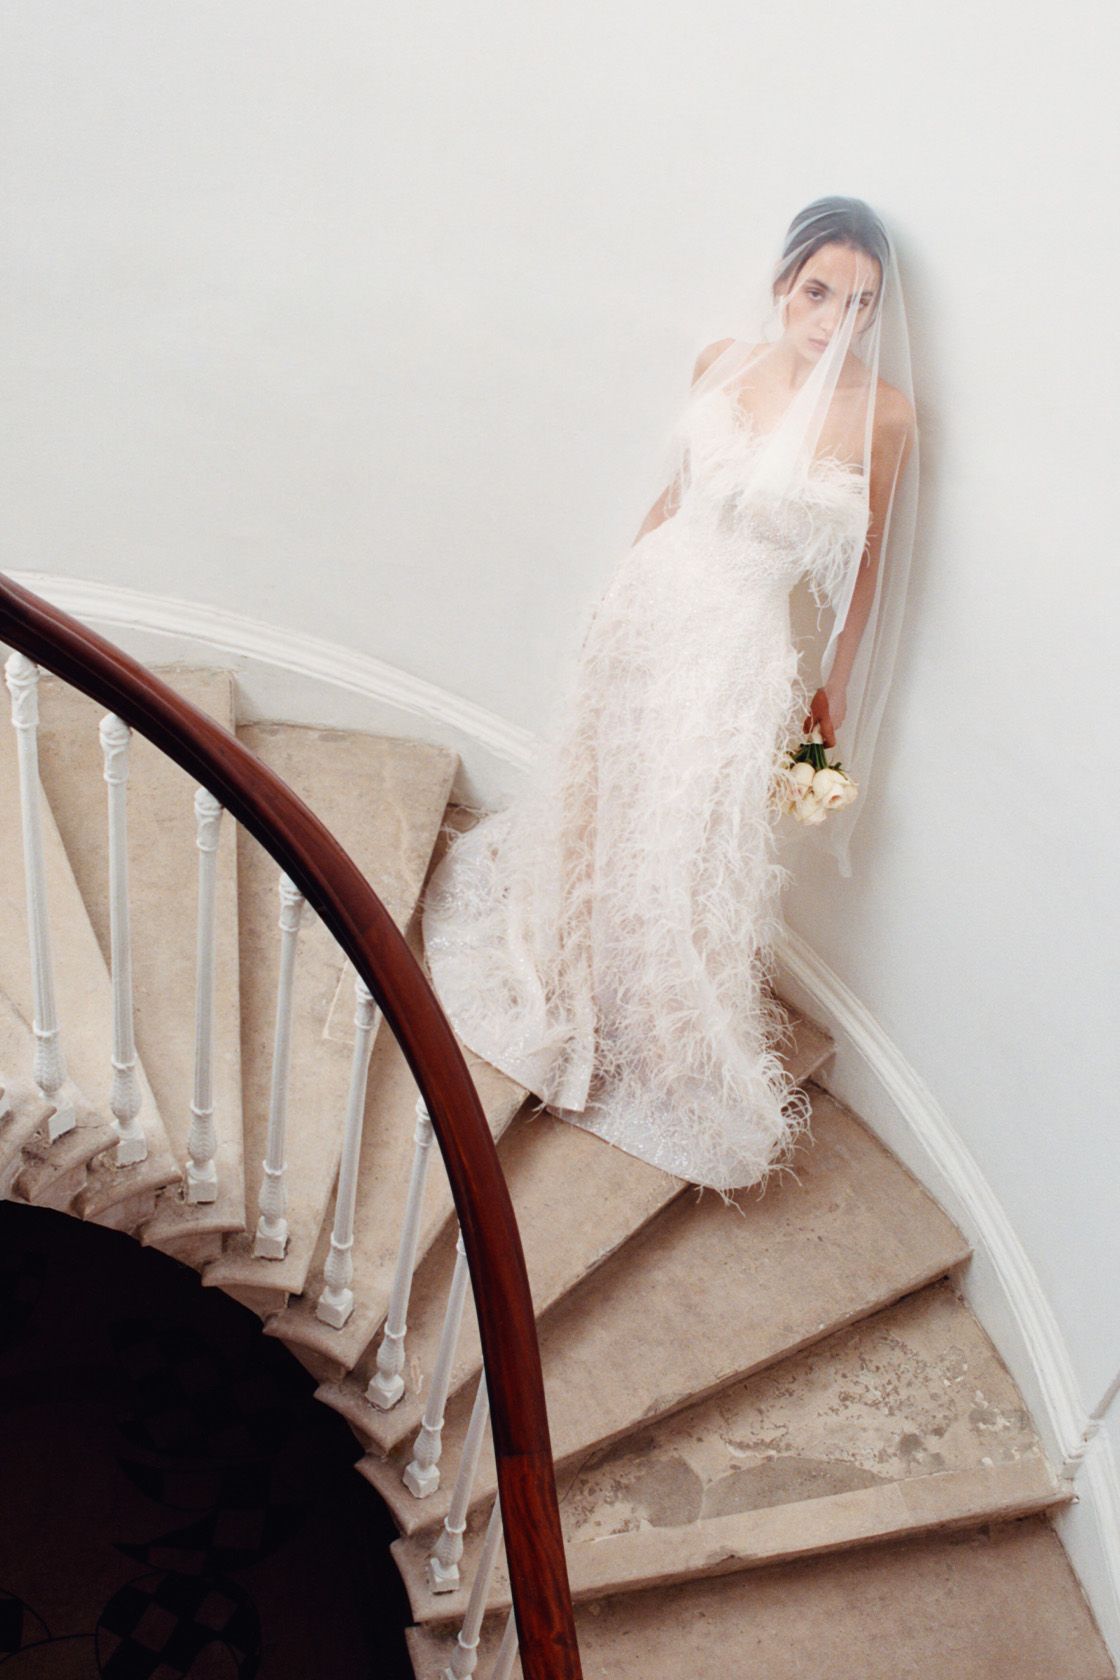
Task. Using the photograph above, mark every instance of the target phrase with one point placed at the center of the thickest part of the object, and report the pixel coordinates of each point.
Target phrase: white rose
(810, 810)
(797, 780)
(833, 789)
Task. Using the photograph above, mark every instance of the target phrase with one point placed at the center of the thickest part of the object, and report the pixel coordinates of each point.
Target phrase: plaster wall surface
(369, 323)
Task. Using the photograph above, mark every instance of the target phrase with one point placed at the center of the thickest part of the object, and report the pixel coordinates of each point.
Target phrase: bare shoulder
(709, 356)
(894, 414)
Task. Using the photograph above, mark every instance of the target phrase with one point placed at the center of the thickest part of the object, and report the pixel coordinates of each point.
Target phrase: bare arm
(663, 508)
(889, 451)
(668, 502)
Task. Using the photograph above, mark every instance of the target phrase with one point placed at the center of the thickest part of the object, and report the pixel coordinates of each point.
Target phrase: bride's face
(832, 281)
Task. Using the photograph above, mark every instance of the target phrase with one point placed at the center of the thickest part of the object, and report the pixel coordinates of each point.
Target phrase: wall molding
(326, 684)
(1090, 1533)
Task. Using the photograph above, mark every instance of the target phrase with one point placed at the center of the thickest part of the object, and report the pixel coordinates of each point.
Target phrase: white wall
(367, 322)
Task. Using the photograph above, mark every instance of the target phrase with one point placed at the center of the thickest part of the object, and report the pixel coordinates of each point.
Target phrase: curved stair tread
(710, 1292)
(23, 1109)
(22, 1112)
(565, 1239)
(384, 800)
(163, 871)
(383, 1176)
(54, 1174)
(566, 1234)
(997, 1605)
(715, 1291)
(904, 1422)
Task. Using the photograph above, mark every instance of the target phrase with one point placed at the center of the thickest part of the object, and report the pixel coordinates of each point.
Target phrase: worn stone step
(712, 1291)
(902, 1423)
(1001, 1604)
(386, 1164)
(163, 901)
(23, 1109)
(55, 1174)
(384, 801)
(566, 1233)
(384, 1172)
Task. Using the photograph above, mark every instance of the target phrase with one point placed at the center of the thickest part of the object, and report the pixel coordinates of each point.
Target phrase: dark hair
(832, 221)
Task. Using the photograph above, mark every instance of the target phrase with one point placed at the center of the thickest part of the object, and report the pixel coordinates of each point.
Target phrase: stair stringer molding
(869, 1074)
(283, 674)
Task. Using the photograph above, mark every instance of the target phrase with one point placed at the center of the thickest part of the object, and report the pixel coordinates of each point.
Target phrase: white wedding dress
(604, 941)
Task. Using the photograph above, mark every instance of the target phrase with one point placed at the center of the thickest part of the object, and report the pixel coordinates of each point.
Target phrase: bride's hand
(826, 713)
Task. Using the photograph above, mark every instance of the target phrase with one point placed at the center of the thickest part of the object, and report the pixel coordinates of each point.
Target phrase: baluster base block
(202, 1182)
(133, 1147)
(334, 1307)
(421, 1480)
(60, 1120)
(442, 1577)
(271, 1239)
(385, 1391)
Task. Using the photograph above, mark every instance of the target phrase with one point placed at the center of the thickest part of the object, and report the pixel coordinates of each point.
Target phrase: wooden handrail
(340, 895)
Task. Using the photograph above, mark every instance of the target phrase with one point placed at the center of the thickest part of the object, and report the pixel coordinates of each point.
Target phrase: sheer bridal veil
(825, 383)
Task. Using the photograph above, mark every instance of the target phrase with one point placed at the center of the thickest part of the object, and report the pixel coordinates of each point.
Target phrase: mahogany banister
(338, 892)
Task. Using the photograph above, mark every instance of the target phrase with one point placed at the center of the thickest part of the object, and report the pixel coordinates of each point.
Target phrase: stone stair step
(566, 1234)
(23, 1109)
(193, 1251)
(54, 1174)
(384, 800)
(385, 1168)
(902, 1423)
(163, 899)
(712, 1291)
(749, 1540)
(386, 1164)
(1001, 1604)
(564, 1241)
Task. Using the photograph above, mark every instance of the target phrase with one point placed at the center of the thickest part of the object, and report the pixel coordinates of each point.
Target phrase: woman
(604, 941)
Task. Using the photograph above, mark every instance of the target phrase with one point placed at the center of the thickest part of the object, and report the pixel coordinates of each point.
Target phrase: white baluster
(422, 1476)
(336, 1303)
(22, 678)
(507, 1651)
(443, 1565)
(464, 1658)
(202, 1144)
(387, 1385)
(124, 1098)
(272, 1227)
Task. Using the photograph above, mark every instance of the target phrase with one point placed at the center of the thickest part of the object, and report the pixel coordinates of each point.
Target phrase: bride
(604, 941)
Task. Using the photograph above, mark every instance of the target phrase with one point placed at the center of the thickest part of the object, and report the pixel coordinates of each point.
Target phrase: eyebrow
(868, 292)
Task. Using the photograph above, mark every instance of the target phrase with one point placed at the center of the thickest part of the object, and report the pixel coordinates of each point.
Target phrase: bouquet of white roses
(812, 787)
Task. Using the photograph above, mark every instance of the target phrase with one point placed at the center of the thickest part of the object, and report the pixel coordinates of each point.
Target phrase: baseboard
(1090, 1532)
(287, 675)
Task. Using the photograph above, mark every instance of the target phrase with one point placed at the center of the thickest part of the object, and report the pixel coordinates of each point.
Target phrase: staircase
(784, 1448)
